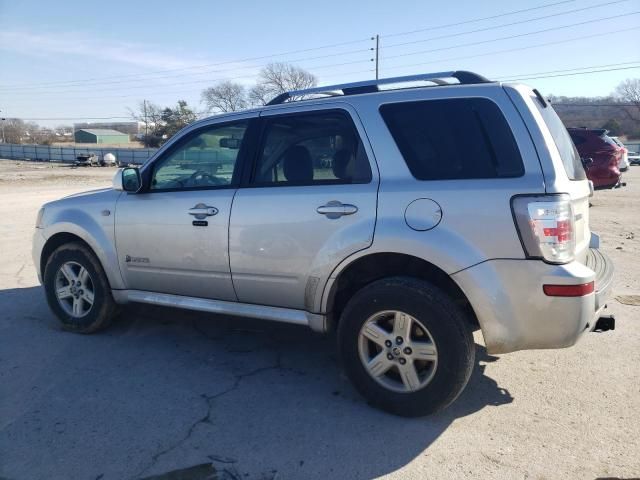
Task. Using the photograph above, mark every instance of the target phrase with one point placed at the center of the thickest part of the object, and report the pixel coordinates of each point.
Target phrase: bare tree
(40, 135)
(277, 78)
(259, 95)
(15, 130)
(629, 91)
(225, 97)
(151, 115)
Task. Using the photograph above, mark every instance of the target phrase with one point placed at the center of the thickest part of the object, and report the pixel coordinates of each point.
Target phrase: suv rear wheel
(406, 346)
(77, 289)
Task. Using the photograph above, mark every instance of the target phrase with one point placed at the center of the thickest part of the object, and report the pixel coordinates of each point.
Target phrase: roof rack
(369, 86)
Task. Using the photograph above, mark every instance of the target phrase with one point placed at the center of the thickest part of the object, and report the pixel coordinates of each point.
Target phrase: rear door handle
(335, 209)
(201, 211)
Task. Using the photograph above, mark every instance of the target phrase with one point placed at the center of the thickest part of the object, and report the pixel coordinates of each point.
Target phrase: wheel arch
(375, 266)
(64, 236)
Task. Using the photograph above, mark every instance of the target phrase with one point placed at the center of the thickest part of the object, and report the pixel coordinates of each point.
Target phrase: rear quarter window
(461, 138)
(568, 152)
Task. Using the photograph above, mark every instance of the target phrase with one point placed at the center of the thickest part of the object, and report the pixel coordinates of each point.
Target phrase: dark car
(600, 154)
(87, 160)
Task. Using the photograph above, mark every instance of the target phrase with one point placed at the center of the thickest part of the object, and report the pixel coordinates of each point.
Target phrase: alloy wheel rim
(397, 351)
(74, 289)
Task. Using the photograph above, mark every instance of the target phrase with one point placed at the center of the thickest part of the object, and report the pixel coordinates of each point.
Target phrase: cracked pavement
(166, 394)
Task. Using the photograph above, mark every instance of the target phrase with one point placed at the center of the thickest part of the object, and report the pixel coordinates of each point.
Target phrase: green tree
(613, 126)
(174, 119)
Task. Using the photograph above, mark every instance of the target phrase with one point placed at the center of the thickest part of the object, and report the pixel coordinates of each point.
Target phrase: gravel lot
(165, 390)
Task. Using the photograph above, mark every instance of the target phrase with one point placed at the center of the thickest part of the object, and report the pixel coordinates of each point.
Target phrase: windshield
(568, 153)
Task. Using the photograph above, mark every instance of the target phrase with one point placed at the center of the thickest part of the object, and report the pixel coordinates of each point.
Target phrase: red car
(603, 152)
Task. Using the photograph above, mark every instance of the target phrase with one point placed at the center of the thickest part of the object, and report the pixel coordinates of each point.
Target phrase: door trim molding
(314, 321)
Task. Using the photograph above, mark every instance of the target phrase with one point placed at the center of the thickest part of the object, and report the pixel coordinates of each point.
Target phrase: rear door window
(311, 148)
(461, 138)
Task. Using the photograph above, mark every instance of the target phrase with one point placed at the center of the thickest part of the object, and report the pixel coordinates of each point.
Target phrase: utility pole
(377, 55)
(377, 49)
(2, 120)
(146, 124)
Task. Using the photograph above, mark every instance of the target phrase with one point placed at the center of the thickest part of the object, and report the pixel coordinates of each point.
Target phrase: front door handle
(335, 209)
(201, 211)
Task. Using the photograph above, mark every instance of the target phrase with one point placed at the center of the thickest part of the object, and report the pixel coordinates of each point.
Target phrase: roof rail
(369, 86)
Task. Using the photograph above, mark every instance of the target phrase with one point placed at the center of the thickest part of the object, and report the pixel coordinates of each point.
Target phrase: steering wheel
(202, 178)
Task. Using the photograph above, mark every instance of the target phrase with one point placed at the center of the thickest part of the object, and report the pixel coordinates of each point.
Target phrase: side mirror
(127, 180)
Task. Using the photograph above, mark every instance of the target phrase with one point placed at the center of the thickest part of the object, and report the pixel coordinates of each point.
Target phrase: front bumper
(515, 314)
(37, 245)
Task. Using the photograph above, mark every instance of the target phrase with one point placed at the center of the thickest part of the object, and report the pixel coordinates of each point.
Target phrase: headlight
(39, 218)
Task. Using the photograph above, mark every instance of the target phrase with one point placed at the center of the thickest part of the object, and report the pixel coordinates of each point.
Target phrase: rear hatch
(578, 185)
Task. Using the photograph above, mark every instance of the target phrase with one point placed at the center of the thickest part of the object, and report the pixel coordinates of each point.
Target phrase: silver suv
(402, 218)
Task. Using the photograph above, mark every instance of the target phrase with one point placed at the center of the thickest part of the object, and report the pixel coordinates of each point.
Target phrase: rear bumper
(515, 314)
(602, 266)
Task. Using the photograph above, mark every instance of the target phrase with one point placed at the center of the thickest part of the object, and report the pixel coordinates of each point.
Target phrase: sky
(68, 61)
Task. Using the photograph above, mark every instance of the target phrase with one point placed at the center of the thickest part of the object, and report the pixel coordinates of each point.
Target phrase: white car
(623, 164)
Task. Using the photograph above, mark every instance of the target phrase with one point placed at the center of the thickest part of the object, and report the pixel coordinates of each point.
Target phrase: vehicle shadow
(169, 390)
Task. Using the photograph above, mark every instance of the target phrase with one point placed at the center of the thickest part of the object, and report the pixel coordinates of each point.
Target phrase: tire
(434, 321)
(75, 311)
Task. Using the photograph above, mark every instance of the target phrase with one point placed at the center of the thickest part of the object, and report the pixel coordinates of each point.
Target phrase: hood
(88, 192)
(103, 197)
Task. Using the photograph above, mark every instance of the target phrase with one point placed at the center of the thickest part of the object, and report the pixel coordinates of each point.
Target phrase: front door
(309, 202)
(173, 236)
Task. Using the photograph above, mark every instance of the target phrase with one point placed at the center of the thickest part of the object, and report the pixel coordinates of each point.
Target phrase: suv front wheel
(77, 289)
(406, 346)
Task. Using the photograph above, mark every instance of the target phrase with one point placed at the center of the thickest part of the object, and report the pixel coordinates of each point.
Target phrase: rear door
(308, 202)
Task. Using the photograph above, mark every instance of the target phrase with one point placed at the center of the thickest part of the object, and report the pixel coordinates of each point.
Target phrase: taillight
(615, 158)
(546, 226)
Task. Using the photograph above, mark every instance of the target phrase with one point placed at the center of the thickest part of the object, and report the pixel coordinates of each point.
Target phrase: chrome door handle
(335, 209)
(201, 210)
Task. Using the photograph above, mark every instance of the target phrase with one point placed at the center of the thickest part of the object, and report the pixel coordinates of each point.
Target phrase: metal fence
(45, 153)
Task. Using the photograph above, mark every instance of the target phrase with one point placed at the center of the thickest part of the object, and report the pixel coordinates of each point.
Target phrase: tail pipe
(605, 323)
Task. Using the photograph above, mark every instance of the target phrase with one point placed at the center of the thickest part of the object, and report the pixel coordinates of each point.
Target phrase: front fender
(97, 231)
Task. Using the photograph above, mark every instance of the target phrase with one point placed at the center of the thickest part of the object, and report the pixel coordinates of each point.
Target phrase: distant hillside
(601, 112)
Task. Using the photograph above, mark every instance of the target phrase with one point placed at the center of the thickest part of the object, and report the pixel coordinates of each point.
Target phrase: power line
(119, 77)
(493, 27)
(466, 22)
(206, 80)
(80, 85)
(183, 92)
(516, 49)
(91, 85)
(411, 53)
(548, 76)
(568, 69)
(596, 105)
(510, 37)
(575, 73)
(75, 118)
(197, 66)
